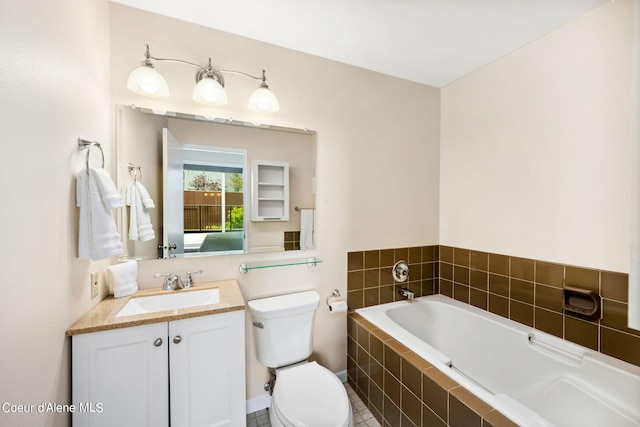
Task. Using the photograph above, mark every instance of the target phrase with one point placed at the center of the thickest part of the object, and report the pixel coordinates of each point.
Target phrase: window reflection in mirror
(213, 183)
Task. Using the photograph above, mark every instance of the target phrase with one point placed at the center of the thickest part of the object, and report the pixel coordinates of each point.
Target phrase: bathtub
(531, 377)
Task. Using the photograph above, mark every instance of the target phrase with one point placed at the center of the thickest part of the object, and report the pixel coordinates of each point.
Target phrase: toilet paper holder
(334, 294)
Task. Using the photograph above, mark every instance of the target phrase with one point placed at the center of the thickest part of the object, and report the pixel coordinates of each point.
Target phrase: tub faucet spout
(406, 293)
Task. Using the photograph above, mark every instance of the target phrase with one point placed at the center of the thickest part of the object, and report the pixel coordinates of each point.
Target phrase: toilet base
(275, 421)
(306, 394)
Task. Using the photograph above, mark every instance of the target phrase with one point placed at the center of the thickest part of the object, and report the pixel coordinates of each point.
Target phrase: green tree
(235, 218)
(237, 182)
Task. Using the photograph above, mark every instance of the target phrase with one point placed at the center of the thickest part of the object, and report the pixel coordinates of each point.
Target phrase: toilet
(304, 394)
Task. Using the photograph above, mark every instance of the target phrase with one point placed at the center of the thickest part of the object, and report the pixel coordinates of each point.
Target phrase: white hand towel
(140, 227)
(144, 195)
(306, 229)
(121, 279)
(131, 200)
(98, 236)
(108, 192)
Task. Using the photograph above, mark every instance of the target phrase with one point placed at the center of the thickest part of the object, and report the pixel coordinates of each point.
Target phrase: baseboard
(258, 403)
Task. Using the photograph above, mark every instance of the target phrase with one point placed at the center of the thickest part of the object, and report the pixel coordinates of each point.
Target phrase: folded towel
(144, 195)
(140, 227)
(108, 192)
(306, 228)
(98, 236)
(121, 279)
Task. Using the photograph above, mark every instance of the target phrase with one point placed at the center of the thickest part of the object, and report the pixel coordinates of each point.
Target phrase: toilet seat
(310, 395)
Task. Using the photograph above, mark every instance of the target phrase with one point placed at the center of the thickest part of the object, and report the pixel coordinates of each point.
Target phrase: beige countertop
(102, 317)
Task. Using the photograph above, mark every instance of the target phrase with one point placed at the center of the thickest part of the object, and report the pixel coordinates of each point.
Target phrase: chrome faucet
(169, 282)
(406, 293)
(175, 282)
(188, 280)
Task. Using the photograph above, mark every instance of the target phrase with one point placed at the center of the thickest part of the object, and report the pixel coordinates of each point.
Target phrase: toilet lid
(311, 395)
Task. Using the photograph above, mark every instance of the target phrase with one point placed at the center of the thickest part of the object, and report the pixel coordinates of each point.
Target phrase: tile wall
(369, 280)
(525, 290)
(291, 240)
(399, 387)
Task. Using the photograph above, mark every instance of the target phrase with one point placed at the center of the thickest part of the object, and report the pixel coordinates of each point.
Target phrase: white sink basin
(173, 301)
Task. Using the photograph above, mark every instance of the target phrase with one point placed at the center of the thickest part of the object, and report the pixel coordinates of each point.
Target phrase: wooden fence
(203, 211)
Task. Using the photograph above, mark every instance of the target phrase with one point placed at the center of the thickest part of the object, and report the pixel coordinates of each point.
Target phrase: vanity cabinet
(207, 371)
(269, 191)
(188, 372)
(122, 376)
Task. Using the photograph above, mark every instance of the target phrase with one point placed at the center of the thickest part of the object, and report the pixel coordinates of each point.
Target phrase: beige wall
(542, 117)
(535, 147)
(54, 82)
(377, 138)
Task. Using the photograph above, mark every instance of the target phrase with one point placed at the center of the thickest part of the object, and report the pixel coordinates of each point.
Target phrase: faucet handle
(188, 280)
(168, 284)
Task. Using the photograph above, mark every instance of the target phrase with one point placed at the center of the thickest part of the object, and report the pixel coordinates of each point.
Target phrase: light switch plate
(94, 285)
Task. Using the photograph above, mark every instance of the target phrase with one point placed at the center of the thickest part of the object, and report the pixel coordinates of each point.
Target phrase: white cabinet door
(207, 371)
(120, 377)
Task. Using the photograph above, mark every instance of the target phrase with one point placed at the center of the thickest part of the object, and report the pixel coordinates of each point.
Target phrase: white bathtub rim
(601, 358)
(519, 414)
(506, 405)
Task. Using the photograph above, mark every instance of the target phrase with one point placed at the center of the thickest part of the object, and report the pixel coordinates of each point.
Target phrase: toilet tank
(283, 327)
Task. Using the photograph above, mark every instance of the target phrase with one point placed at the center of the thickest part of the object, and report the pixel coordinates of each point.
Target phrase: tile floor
(362, 417)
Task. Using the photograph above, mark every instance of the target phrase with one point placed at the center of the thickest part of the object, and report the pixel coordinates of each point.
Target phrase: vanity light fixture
(146, 80)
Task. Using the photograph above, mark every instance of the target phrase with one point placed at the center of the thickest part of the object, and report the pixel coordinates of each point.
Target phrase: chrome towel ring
(86, 144)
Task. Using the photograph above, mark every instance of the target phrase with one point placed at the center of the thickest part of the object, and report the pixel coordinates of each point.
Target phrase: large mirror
(191, 188)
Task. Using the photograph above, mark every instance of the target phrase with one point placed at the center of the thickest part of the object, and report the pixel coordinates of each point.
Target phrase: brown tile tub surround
(530, 292)
(291, 240)
(400, 388)
(524, 290)
(369, 280)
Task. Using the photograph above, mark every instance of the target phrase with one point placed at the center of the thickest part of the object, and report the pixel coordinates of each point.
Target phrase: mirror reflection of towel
(306, 229)
(138, 199)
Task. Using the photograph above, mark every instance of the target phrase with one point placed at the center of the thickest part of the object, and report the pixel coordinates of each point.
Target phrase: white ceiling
(433, 42)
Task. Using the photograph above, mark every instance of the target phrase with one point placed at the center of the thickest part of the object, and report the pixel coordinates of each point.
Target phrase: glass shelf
(310, 262)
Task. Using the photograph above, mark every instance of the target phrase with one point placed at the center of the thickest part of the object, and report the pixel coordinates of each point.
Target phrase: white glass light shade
(209, 91)
(264, 100)
(147, 81)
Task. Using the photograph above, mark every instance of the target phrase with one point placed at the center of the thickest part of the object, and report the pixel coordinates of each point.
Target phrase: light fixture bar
(145, 80)
(242, 74)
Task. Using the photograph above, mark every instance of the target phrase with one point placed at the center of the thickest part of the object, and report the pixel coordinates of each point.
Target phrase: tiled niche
(521, 289)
